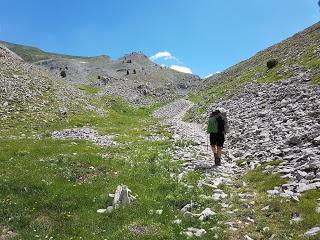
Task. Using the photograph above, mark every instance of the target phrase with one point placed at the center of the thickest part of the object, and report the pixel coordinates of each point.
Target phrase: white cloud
(181, 69)
(164, 55)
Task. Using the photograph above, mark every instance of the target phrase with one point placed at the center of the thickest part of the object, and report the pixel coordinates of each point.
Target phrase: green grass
(262, 181)
(316, 80)
(88, 89)
(310, 60)
(241, 161)
(278, 217)
(32, 54)
(275, 162)
(52, 188)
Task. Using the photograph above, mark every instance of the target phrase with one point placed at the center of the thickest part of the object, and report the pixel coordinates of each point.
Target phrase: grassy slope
(47, 187)
(277, 219)
(32, 54)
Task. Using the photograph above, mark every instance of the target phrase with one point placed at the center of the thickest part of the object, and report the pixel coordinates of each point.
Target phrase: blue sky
(205, 36)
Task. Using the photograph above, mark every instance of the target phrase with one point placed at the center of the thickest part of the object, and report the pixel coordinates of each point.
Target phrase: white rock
(200, 232)
(102, 210)
(245, 196)
(312, 232)
(206, 214)
(122, 195)
(177, 221)
(109, 209)
(265, 229)
(159, 211)
(246, 237)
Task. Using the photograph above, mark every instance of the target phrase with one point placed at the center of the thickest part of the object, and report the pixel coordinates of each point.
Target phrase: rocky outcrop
(133, 77)
(122, 196)
(278, 121)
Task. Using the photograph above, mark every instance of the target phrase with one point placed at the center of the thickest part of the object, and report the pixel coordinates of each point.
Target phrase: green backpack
(212, 125)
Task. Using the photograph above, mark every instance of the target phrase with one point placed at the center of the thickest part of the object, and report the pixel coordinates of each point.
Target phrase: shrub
(63, 74)
(272, 63)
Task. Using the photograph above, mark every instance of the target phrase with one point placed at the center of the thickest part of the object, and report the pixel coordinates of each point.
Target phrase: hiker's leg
(213, 143)
(220, 143)
(214, 149)
(219, 151)
(217, 156)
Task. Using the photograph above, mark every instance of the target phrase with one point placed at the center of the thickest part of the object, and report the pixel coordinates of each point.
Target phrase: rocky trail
(197, 155)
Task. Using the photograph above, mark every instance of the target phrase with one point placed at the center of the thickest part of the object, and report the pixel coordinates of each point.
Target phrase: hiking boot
(217, 160)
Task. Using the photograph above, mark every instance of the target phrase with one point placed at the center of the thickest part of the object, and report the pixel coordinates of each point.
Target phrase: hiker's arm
(220, 125)
(208, 127)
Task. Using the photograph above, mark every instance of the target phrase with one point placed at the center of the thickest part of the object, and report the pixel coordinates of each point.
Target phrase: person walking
(217, 128)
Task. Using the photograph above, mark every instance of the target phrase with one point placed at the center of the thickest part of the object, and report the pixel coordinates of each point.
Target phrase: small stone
(186, 208)
(246, 237)
(312, 232)
(102, 210)
(109, 209)
(245, 196)
(295, 218)
(200, 232)
(188, 234)
(206, 214)
(272, 237)
(177, 221)
(159, 212)
(273, 192)
(266, 229)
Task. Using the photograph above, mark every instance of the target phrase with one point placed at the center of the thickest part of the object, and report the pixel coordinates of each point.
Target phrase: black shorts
(216, 139)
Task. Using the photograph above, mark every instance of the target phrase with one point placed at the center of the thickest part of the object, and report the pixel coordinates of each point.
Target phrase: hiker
(216, 129)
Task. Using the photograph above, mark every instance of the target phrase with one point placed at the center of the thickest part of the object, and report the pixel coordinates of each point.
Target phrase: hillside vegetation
(68, 141)
(296, 55)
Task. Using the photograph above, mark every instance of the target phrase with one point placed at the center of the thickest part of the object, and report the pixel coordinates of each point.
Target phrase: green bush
(63, 74)
(272, 63)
